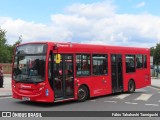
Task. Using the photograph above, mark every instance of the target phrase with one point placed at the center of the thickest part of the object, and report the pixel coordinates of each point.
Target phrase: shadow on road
(41, 104)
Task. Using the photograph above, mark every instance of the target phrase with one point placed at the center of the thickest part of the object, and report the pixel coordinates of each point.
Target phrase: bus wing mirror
(58, 58)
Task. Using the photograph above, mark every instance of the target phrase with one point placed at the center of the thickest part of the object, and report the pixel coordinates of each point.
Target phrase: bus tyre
(131, 86)
(82, 94)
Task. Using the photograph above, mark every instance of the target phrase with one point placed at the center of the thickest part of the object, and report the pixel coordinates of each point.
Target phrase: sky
(107, 22)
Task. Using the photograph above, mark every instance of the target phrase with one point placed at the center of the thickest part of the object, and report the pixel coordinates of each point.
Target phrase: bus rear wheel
(82, 93)
(131, 86)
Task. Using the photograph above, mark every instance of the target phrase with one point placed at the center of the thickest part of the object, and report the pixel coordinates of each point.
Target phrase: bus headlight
(41, 88)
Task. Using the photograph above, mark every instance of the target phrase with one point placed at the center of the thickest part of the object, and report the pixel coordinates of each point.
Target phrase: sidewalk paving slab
(6, 90)
(155, 82)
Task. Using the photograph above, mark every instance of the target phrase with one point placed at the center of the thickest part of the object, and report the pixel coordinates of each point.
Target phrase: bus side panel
(100, 85)
(127, 77)
(84, 81)
(141, 79)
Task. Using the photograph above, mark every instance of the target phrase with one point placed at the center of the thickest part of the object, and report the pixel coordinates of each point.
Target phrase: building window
(139, 61)
(130, 63)
(145, 61)
(83, 65)
(100, 64)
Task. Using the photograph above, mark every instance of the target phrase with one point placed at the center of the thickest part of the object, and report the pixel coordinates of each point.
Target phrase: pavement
(6, 91)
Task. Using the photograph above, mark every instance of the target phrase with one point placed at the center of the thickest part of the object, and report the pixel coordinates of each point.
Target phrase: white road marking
(154, 87)
(111, 101)
(92, 100)
(122, 96)
(144, 97)
(152, 104)
(141, 90)
(131, 103)
(5, 97)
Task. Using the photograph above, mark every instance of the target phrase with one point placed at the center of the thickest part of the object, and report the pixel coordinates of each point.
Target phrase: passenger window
(100, 64)
(83, 65)
(139, 62)
(130, 63)
(145, 61)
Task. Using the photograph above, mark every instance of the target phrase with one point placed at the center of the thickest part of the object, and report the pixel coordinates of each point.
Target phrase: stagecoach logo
(64, 45)
(24, 86)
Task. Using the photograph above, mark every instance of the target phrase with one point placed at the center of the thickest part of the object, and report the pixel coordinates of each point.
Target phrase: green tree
(4, 52)
(152, 50)
(155, 52)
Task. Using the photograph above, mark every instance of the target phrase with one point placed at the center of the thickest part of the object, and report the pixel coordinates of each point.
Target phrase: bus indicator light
(47, 92)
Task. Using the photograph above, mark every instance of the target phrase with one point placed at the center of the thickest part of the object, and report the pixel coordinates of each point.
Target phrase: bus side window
(130, 63)
(83, 65)
(99, 64)
(139, 61)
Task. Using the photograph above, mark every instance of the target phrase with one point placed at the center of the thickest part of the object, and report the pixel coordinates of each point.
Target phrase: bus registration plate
(26, 98)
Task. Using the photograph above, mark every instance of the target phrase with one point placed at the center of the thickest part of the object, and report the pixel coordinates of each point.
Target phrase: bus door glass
(63, 76)
(116, 73)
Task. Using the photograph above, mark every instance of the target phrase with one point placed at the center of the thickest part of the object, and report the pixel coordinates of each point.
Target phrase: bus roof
(78, 47)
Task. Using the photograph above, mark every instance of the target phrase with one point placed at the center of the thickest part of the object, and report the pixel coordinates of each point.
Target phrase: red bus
(54, 72)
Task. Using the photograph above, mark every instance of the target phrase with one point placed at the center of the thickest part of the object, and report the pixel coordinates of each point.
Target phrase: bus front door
(116, 73)
(63, 77)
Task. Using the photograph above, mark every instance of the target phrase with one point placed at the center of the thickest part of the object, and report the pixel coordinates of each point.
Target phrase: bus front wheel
(131, 86)
(82, 93)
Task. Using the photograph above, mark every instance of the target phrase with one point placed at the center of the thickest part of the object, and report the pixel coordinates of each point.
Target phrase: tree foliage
(155, 52)
(6, 50)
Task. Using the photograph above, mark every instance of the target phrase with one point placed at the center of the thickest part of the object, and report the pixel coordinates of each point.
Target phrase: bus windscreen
(29, 63)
